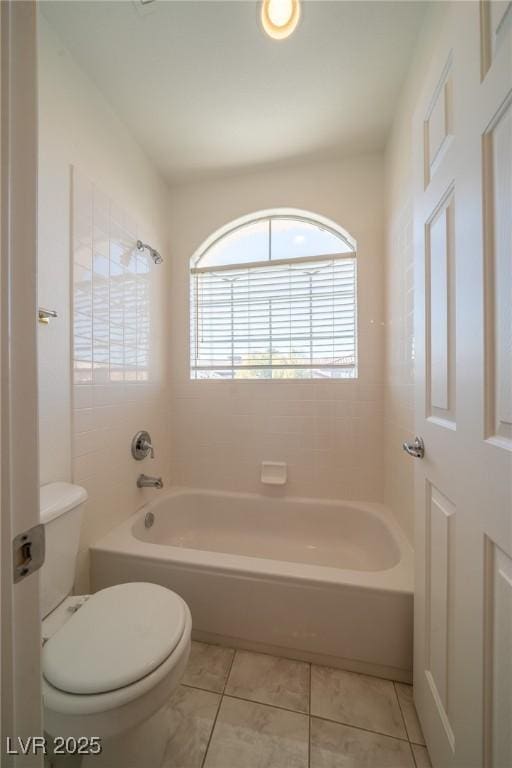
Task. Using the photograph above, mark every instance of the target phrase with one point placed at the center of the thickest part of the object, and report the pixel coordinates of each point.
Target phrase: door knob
(416, 449)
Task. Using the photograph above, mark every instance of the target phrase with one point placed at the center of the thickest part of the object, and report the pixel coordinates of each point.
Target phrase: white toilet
(112, 659)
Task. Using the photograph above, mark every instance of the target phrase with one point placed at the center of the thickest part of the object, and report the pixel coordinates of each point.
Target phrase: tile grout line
(416, 743)
(309, 717)
(198, 688)
(229, 671)
(221, 698)
(266, 704)
(203, 761)
(413, 755)
(360, 728)
(304, 714)
(401, 712)
(411, 743)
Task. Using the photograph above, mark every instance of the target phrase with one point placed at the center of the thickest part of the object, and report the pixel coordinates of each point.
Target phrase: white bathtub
(319, 580)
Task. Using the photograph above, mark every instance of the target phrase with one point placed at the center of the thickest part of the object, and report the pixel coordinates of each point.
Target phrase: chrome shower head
(157, 258)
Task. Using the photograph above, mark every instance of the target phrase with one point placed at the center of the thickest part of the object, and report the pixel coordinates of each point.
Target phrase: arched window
(274, 296)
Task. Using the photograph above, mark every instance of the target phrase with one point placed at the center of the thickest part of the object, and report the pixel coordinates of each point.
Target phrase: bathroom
(257, 444)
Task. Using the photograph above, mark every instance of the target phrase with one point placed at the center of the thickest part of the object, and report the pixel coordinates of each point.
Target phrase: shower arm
(155, 255)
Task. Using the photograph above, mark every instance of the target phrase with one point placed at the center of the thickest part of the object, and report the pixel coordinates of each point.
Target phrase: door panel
(497, 165)
(498, 658)
(440, 312)
(440, 588)
(495, 21)
(438, 127)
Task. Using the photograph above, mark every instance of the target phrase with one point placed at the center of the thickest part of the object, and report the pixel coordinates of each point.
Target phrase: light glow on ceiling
(280, 17)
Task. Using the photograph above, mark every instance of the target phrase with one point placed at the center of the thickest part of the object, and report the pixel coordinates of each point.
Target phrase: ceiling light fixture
(280, 17)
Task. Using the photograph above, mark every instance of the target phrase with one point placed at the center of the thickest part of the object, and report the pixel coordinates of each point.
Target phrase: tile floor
(237, 709)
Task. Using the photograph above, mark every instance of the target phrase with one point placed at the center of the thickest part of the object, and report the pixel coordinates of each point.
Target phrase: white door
(20, 704)
(463, 246)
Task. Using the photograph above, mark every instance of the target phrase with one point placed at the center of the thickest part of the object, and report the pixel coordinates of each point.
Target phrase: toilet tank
(60, 507)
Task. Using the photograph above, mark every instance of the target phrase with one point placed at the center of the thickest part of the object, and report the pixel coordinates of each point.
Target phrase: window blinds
(268, 318)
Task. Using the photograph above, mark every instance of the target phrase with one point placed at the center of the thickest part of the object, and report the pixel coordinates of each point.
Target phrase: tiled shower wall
(118, 373)
(222, 431)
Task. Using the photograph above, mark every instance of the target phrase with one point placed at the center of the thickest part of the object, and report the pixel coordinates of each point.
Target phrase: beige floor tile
(270, 680)
(191, 717)
(421, 756)
(250, 735)
(353, 699)
(338, 746)
(208, 666)
(412, 723)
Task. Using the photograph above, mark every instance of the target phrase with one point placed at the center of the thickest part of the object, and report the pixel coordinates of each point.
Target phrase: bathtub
(322, 581)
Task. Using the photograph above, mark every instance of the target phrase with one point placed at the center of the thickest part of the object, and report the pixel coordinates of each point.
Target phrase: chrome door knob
(416, 449)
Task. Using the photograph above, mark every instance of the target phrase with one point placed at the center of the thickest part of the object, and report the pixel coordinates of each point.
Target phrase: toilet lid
(117, 637)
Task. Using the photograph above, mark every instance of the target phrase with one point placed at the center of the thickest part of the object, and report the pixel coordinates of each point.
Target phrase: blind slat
(285, 316)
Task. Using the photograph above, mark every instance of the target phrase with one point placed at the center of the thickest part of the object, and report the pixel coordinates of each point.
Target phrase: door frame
(20, 672)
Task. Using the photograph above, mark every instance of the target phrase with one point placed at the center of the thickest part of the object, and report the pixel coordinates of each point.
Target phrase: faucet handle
(142, 446)
(148, 448)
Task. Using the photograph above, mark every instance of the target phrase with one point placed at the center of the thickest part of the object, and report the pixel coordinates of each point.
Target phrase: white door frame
(20, 704)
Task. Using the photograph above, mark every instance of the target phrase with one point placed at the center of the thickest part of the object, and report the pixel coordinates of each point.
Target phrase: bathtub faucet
(144, 481)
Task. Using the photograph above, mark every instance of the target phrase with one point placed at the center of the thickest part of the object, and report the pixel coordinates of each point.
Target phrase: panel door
(463, 246)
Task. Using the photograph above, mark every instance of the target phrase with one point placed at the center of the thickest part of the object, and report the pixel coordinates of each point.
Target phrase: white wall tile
(127, 392)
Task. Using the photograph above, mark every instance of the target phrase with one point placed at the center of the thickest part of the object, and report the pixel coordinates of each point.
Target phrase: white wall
(399, 271)
(329, 432)
(77, 127)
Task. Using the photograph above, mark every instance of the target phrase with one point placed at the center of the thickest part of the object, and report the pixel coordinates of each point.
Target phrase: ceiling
(206, 92)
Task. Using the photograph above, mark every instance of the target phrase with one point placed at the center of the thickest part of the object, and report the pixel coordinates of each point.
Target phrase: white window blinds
(283, 318)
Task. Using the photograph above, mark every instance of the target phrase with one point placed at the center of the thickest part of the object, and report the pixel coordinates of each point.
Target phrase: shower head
(157, 258)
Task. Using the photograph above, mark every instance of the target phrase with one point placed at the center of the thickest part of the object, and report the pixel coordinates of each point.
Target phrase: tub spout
(144, 481)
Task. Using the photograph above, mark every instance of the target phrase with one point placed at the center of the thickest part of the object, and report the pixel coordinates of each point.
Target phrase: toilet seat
(110, 713)
(116, 638)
